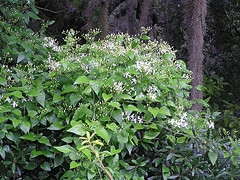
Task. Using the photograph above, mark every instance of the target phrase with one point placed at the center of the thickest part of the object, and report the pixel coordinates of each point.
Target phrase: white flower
(134, 81)
(14, 104)
(211, 125)
(8, 100)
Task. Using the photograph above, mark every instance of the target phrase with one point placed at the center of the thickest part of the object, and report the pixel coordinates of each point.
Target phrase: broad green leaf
(44, 140)
(35, 153)
(58, 161)
(3, 81)
(2, 118)
(25, 126)
(135, 42)
(117, 115)
(151, 135)
(29, 136)
(64, 148)
(68, 89)
(74, 164)
(78, 129)
(17, 94)
(41, 99)
(101, 131)
(32, 15)
(106, 97)
(30, 166)
(112, 126)
(81, 80)
(164, 110)
(57, 98)
(132, 108)
(171, 138)
(181, 140)
(21, 57)
(122, 137)
(34, 92)
(95, 86)
(146, 38)
(88, 153)
(56, 126)
(126, 96)
(45, 166)
(32, 113)
(153, 111)
(115, 151)
(104, 119)
(115, 104)
(17, 112)
(213, 157)
(16, 122)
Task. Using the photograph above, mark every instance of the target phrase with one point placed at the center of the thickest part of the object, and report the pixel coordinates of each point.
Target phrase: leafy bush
(130, 92)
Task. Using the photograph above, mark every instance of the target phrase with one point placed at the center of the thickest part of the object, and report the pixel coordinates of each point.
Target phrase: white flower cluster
(152, 92)
(119, 86)
(180, 123)
(133, 117)
(146, 67)
(13, 103)
(53, 65)
(50, 42)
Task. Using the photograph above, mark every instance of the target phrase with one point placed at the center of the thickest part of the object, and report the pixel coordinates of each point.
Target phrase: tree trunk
(97, 15)
(194, 18)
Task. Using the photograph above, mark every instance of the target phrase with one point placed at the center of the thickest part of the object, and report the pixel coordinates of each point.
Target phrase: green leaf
(29, 136)
(41, 99)
(34, 92)
(81, 80)
(154, 111)
(115, 151)
(181, 140)
(25, 126)
(78, 129)
(45, 166)
(213, 157)
(32, 113)
(115, 104)
(151, 135)
(30, 166)
(17, 94)
(56, 126)
(68, 89)
(16, 122)
(171, 138)
(17, 112)
(132, 108)
(2, 119)
(35, 153)
(106, 97)
(88, 153)
(32, 15)
(112, 126)
(44, 140)
(164, 110)
(135, 42)
(126, 96)
(64, 148)
(74, 164)
(21, 57)
(146, 38)
(57, 98)
(122, 137)
(95, 86)
(100, 131)
(117, 115)
(3, 81)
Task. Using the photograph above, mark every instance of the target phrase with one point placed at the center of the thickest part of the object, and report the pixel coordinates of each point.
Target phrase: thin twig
(50, 10)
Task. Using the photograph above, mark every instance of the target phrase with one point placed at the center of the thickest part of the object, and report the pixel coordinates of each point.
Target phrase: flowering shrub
(125, 97)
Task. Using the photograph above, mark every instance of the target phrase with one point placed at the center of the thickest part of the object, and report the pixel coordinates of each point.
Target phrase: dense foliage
(116, 108)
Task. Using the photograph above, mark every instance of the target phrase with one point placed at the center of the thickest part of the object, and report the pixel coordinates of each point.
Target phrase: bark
(97, 15)
(195, 13)
(145, 14)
